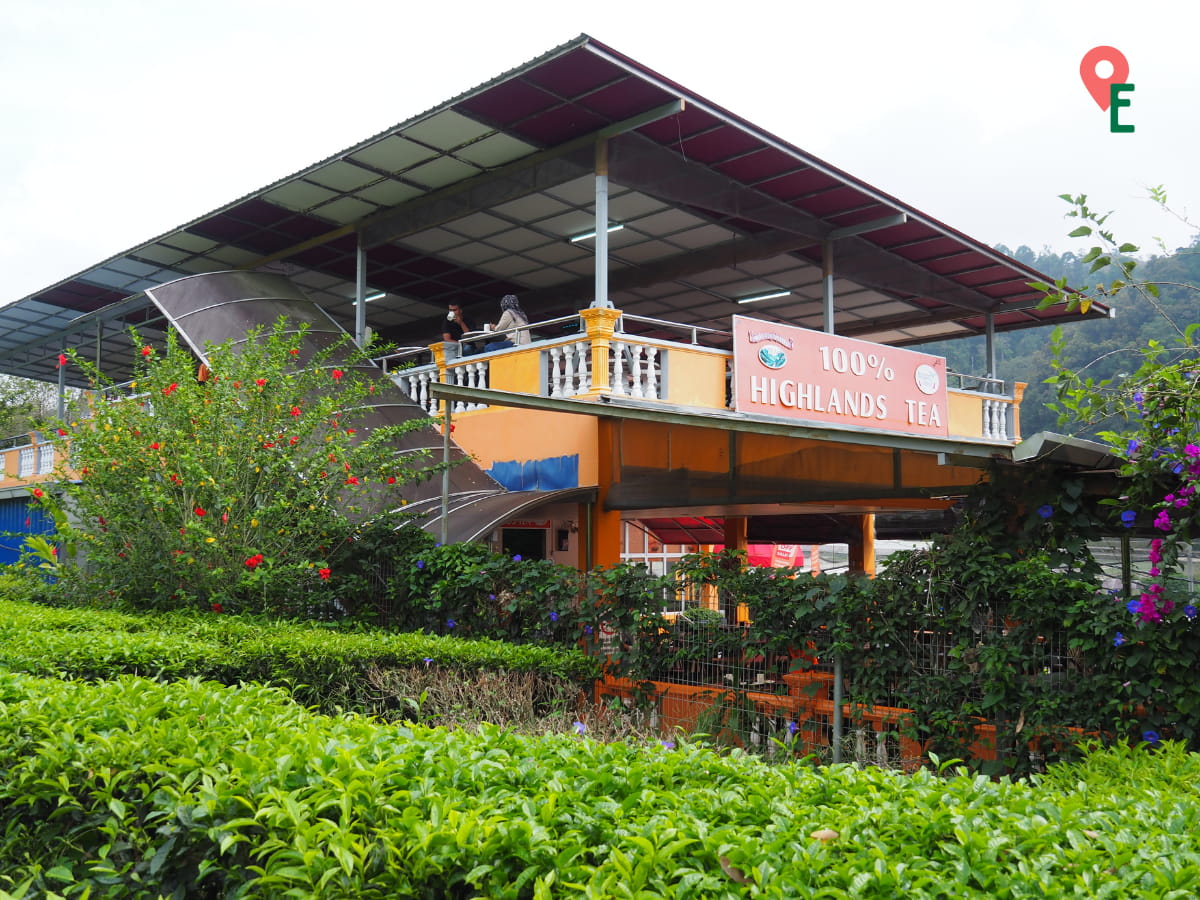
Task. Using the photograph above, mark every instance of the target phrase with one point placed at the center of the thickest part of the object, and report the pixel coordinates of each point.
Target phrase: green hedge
(322, 667)
(138, 789)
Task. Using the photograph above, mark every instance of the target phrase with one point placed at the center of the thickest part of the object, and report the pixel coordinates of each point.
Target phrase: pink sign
(782, 370)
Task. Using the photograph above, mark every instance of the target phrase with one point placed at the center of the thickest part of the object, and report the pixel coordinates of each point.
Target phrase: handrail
(695, 330)
(400, 353)
(981, 383)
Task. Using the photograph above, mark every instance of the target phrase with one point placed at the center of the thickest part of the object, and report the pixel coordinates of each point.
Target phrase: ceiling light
(754, 298)
(592, 234)
(379, 295)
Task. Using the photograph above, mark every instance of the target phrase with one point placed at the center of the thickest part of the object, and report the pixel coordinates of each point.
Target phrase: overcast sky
(127, 118)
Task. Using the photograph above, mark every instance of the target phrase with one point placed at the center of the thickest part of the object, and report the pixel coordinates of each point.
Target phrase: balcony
(28, 458)
(604, 352)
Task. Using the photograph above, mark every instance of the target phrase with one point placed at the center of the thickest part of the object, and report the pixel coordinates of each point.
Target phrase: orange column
(600, 323)
(862, 552)
(604, 529)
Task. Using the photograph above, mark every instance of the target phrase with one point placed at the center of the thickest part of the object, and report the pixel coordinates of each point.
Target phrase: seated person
(456, 325)
(511, 316)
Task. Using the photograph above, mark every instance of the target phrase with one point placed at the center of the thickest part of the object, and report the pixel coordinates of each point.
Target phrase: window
(640, 546)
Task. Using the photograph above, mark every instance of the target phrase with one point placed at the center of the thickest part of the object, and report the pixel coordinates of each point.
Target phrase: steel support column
(827, 284)
(360, 294)
(990, 335)
(601, 298)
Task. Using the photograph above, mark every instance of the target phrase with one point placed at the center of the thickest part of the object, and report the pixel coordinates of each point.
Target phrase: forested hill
(1110, 346)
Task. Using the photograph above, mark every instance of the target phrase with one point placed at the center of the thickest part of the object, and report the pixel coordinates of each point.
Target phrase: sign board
(526, 523)
(811, 376)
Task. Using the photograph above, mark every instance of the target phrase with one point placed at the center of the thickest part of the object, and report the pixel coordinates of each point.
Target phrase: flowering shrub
(241, 489)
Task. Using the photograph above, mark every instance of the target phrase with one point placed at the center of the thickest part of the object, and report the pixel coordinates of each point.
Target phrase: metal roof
(480, 196)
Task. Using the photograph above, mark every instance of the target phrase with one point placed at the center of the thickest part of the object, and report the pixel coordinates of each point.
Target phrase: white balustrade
(415, 383)
(25, 462)
(471, 375)
(634, 370)
(45, 459)
(569, 368)
(995, 419)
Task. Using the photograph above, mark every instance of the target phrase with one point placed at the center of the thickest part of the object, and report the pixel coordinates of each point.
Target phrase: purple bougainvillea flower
(1118, 640)
(1163, 521)
(1045, 511)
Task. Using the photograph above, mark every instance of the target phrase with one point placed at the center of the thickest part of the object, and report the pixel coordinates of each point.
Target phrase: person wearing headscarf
(511, 316)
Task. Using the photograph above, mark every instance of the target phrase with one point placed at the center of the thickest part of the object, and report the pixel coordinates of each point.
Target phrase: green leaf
(1081, 231)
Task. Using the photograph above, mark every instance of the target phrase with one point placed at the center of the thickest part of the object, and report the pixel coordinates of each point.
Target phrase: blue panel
(508, 474)
(18, 519)
(550, 474)
(559, 472)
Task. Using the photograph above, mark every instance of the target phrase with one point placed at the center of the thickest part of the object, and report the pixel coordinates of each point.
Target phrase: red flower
(349, 431)
(293, 440)
(146, 351)
(54, 551)
(391, 479)
(260, 381)
(268, 445)
(175, 479)
(346, 466)
(295, 410)
(332, 457)
(62, 432)
(218, 608)
(224, 517)
(254, 561)
(199, 510)
(293, 351)
(337, 374)
(37, 492)
(170, 389)
(62, 359)
(324, 474)
(353, 479)
(154, 446)
(237, 384)
(100, 519)
(324, 573)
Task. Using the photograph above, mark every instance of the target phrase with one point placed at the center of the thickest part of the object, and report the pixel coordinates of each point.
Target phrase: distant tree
(25, 405)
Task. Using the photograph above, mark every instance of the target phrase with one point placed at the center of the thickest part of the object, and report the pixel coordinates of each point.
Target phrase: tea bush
(322, 667)
(139, 789)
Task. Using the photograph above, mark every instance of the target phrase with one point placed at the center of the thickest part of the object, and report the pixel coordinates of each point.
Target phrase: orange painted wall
(504, 434)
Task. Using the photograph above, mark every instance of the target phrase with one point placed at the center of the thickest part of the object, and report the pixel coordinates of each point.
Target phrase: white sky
(124, 119)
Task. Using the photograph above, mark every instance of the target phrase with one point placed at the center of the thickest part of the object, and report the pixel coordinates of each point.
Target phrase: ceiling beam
(519, 178)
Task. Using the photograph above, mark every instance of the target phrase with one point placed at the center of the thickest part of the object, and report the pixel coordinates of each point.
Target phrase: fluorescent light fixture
(592, 234)
(378, 295)
(754, 298)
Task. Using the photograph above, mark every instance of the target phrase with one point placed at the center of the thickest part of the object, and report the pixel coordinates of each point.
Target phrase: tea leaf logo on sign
(772, 357)
(927, 379)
